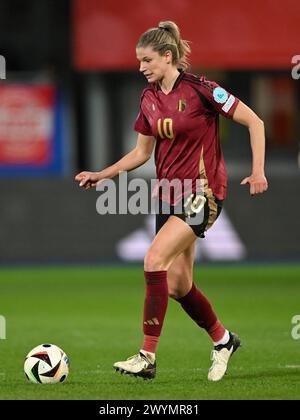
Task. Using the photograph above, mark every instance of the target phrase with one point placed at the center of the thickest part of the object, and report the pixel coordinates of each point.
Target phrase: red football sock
(197, 306)
(217, 331)
(150, 343)
(155, 307)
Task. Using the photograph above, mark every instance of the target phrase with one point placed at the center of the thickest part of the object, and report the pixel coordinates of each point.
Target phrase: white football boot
(137, 365)
(220, 357)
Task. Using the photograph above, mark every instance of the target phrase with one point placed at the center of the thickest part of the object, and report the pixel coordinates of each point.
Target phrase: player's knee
(177, 292)
(154, 262)
(174, 280)
(178, 283)
(174, 293)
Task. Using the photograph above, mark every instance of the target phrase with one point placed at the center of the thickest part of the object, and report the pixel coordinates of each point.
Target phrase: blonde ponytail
(167, 37)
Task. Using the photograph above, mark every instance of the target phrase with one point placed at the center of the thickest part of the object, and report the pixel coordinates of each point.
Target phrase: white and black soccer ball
(46, 364)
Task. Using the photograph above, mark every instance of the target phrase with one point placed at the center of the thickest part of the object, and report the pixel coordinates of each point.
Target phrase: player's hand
(258, 183)
(87, 179)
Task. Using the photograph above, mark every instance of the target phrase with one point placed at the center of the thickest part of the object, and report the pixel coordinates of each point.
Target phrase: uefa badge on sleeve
(220, 95)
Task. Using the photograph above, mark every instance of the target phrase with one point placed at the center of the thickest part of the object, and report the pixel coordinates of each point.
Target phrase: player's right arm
(134, 159)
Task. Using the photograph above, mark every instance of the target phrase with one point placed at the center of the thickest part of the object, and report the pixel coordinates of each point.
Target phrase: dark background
(46, 218)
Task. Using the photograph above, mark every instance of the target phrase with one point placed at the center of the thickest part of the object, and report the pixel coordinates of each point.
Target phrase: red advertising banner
(26, 124)
(235, 34)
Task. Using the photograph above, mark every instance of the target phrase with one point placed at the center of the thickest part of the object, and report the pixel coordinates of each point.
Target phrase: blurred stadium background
(69, 101)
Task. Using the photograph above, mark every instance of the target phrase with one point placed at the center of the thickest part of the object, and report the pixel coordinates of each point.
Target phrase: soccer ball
(46, 364)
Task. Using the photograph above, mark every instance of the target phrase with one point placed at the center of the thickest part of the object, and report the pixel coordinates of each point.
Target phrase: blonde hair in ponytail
(166, 37)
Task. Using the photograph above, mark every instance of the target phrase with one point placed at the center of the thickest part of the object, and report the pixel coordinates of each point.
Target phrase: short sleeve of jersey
(142, 125)
(218, 99)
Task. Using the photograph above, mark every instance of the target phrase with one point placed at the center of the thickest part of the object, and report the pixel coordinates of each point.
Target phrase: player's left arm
(245, 116)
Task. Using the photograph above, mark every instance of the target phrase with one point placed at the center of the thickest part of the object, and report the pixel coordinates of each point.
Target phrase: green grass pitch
(94, 314)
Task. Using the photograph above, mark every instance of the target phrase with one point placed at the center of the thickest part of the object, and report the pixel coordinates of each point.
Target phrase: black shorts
(199, 211)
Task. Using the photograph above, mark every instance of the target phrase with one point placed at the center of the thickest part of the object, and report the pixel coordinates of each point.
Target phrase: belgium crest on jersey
(181, 105)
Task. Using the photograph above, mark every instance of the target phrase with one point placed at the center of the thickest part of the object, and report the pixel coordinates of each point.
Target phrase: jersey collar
(177, 81)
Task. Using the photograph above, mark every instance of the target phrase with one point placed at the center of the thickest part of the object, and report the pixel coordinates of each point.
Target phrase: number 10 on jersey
(165, 128)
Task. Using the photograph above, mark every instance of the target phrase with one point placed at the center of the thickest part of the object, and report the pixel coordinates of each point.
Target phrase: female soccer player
(179, 115)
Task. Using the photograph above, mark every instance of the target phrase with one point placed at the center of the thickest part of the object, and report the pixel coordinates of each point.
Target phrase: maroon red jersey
(185, 123)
